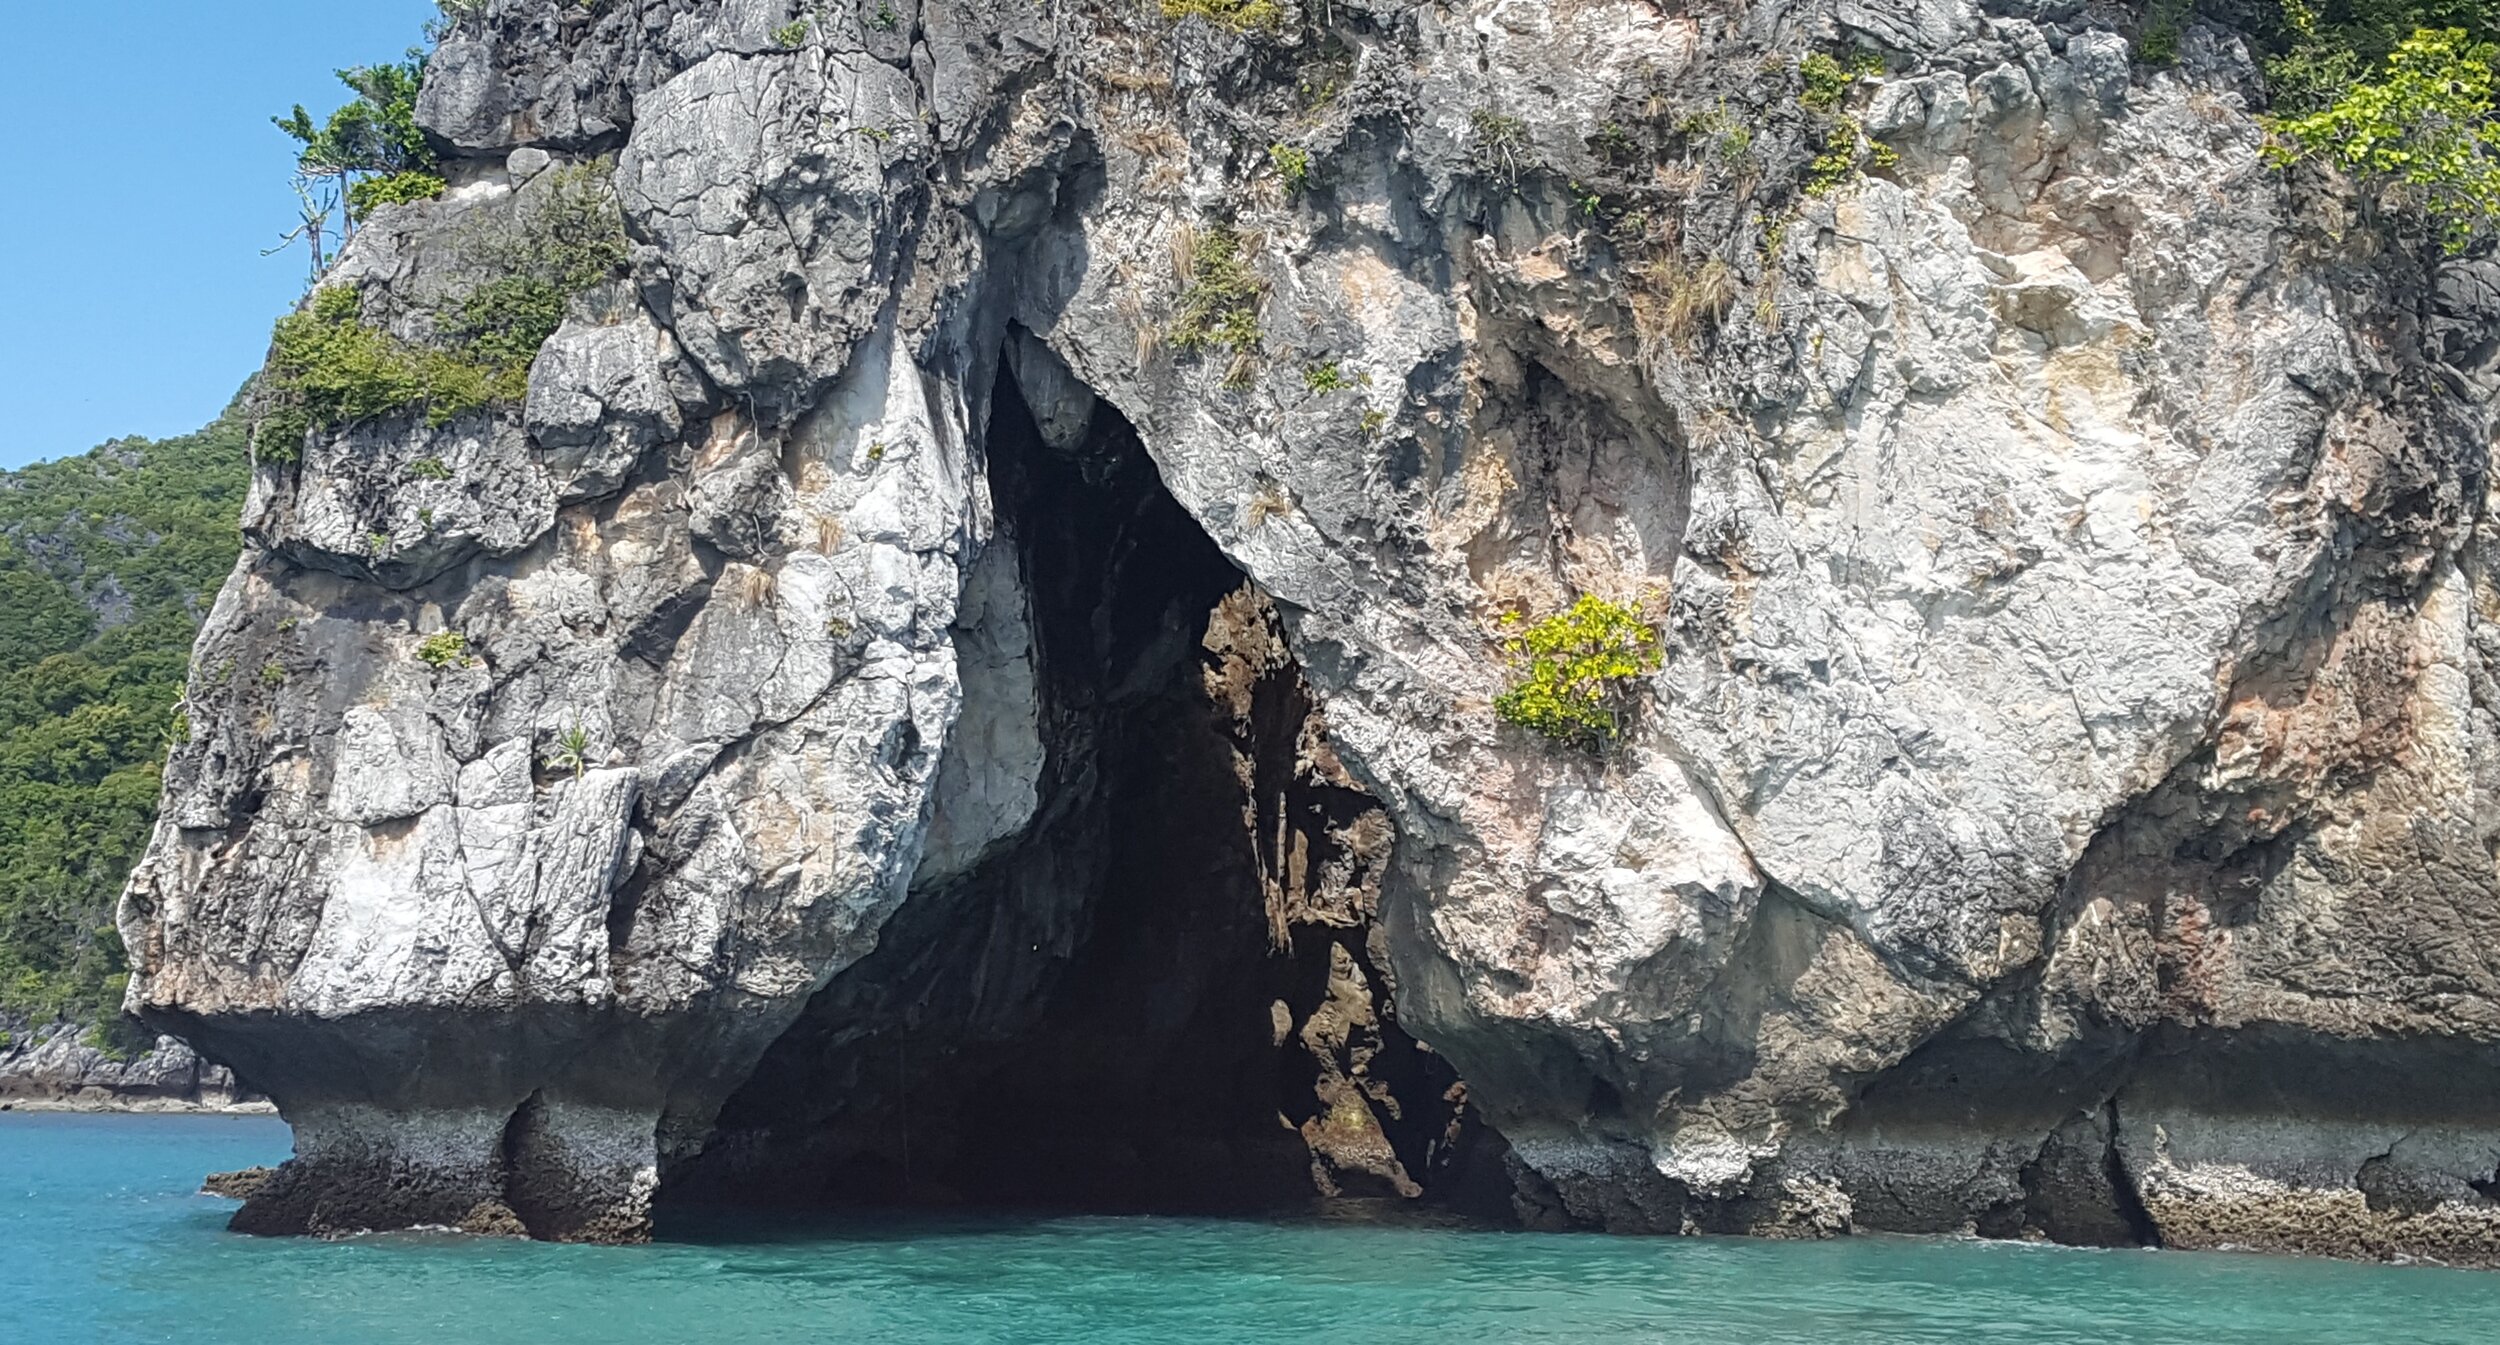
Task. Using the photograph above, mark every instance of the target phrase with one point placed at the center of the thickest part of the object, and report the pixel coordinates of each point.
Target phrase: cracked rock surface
(2066, 808)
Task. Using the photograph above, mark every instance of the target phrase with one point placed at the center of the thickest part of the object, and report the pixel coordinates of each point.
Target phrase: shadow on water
(730, 1226)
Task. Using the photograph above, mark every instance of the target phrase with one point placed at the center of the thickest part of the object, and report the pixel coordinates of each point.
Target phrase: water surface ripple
(102, 1238)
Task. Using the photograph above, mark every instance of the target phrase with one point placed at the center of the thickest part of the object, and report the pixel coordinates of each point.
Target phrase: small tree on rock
(368, 154)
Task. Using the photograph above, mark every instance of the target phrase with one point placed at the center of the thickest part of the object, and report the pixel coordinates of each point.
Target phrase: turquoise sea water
(102, 1239)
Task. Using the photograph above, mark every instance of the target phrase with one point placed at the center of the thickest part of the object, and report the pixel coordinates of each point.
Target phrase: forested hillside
(107, 563)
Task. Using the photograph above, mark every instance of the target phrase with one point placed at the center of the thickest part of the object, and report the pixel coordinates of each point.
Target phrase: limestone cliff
(60, 1068)
(2066, 808)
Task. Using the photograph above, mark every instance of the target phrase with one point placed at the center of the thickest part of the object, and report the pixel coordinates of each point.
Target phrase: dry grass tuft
(1165, 154)
(1133, 77)
(1269, 502)
(756, 587)
(1673, 306)
(1184, 243)
(1131, 303)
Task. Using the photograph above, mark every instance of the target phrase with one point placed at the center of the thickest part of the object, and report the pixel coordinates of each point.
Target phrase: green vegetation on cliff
(107, 563)
(1242, 16)
(329, 368)
(366, 155)
(1219, 304)
(1576, 673)
(2401, 94)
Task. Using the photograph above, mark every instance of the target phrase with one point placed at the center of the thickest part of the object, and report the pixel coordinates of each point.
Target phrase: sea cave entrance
(1167, 992)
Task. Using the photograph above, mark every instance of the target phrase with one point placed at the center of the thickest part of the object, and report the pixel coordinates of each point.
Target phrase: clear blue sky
(139, 181)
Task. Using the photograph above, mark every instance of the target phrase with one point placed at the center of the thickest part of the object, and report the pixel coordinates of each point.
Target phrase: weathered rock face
(57, 1067)
(2067, 807)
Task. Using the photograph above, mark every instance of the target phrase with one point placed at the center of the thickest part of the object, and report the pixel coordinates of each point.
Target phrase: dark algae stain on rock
(971, 669)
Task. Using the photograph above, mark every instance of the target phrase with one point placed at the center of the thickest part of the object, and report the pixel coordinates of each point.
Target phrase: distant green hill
(108, 562)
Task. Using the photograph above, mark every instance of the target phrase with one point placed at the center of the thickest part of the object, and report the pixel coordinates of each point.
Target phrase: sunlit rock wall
(2065, 807)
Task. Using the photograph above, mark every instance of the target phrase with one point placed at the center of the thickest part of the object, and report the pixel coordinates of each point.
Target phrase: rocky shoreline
(56, 1068)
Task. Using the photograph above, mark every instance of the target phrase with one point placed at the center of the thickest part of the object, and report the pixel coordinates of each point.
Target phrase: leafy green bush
(502, 323)
(444, 649)
(1825, 81)
(1292, 165)
(376, 133)
(327, 370)
(1826, 78)
(2159, 30)
(1847, 151)
(117, 1036)
(2319, 52)
(2423, 119)
(1575, 671)
(367, 154)
(790, 34)
(363, 198)
(567, 238)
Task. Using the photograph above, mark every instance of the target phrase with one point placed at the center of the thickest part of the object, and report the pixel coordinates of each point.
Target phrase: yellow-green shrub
(1219, 306)
(2424, 122)
(1241, 16)
(373, 193)
(1574, 672)
(444, 649)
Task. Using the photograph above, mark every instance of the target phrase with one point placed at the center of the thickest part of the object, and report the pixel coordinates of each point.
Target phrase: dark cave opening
(1167, 992)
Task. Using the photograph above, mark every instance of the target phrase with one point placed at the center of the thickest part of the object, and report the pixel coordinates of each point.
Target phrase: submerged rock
(977, 666)
(241, 1184)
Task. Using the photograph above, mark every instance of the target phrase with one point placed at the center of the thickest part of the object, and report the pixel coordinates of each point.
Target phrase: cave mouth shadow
(1167, 992)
